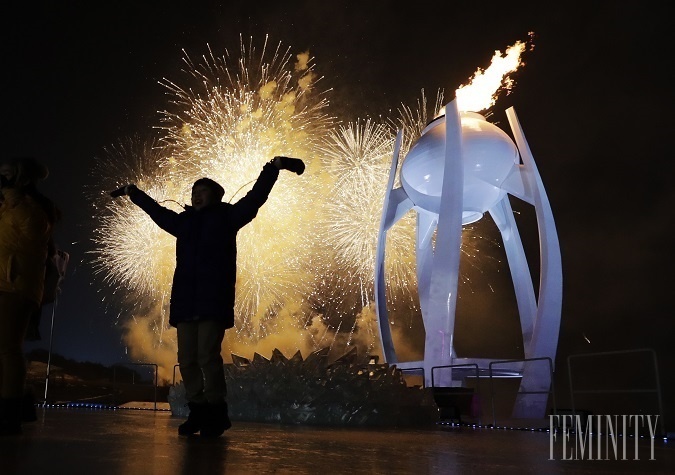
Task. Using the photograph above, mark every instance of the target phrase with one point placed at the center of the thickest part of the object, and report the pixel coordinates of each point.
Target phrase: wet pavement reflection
(104, 441)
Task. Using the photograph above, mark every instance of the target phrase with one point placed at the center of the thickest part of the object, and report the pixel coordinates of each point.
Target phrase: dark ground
(145, 442)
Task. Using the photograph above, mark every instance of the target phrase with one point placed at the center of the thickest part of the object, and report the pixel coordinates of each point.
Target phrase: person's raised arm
(246, 208)
(164, 218)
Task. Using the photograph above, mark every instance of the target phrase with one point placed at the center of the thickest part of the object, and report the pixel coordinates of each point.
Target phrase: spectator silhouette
(27, 218)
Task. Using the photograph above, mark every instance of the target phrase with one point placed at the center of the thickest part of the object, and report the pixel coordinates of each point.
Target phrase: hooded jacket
(24, 235)
(206, 250)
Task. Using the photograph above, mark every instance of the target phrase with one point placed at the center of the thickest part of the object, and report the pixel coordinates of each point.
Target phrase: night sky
(593, 98)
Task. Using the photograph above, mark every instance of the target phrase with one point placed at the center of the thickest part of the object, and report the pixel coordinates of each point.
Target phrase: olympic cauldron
(488, 157)
(461, 167)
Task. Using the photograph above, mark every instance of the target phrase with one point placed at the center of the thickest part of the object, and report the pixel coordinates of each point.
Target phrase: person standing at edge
(203, 289)
(27, 218)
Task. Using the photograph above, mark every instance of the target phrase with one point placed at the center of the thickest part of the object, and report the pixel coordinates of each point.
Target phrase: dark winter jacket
(24, 233)
(206, 250)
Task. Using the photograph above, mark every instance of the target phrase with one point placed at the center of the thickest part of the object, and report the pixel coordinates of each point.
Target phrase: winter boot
(216, 421)
(10, 416)
(195, 419)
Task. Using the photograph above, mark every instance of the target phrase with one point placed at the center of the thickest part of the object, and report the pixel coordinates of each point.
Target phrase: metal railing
(656, 390)
(550, 392)
(154, 365)
(433, 384)
(419, 371)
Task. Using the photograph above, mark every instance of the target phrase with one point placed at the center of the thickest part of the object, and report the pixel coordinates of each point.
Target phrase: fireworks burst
(132, 252)
(412, 121)
(233, 123)
(359, 156)
(306, 263)
(227, 129)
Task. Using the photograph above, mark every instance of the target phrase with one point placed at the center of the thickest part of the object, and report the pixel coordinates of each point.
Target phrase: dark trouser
(15, 312)
(201, 365)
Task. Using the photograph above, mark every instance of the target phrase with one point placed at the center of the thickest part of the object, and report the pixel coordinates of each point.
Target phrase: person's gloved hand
(122, 191)
(292, 164)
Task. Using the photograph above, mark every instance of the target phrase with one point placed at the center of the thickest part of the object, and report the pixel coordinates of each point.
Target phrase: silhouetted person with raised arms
(203, 289)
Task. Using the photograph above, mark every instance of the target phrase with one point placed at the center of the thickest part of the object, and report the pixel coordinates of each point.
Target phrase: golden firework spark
(131, 251)
(228, 129)
(359, 156)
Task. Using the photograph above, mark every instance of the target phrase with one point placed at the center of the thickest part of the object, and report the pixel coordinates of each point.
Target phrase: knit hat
(218, 190)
